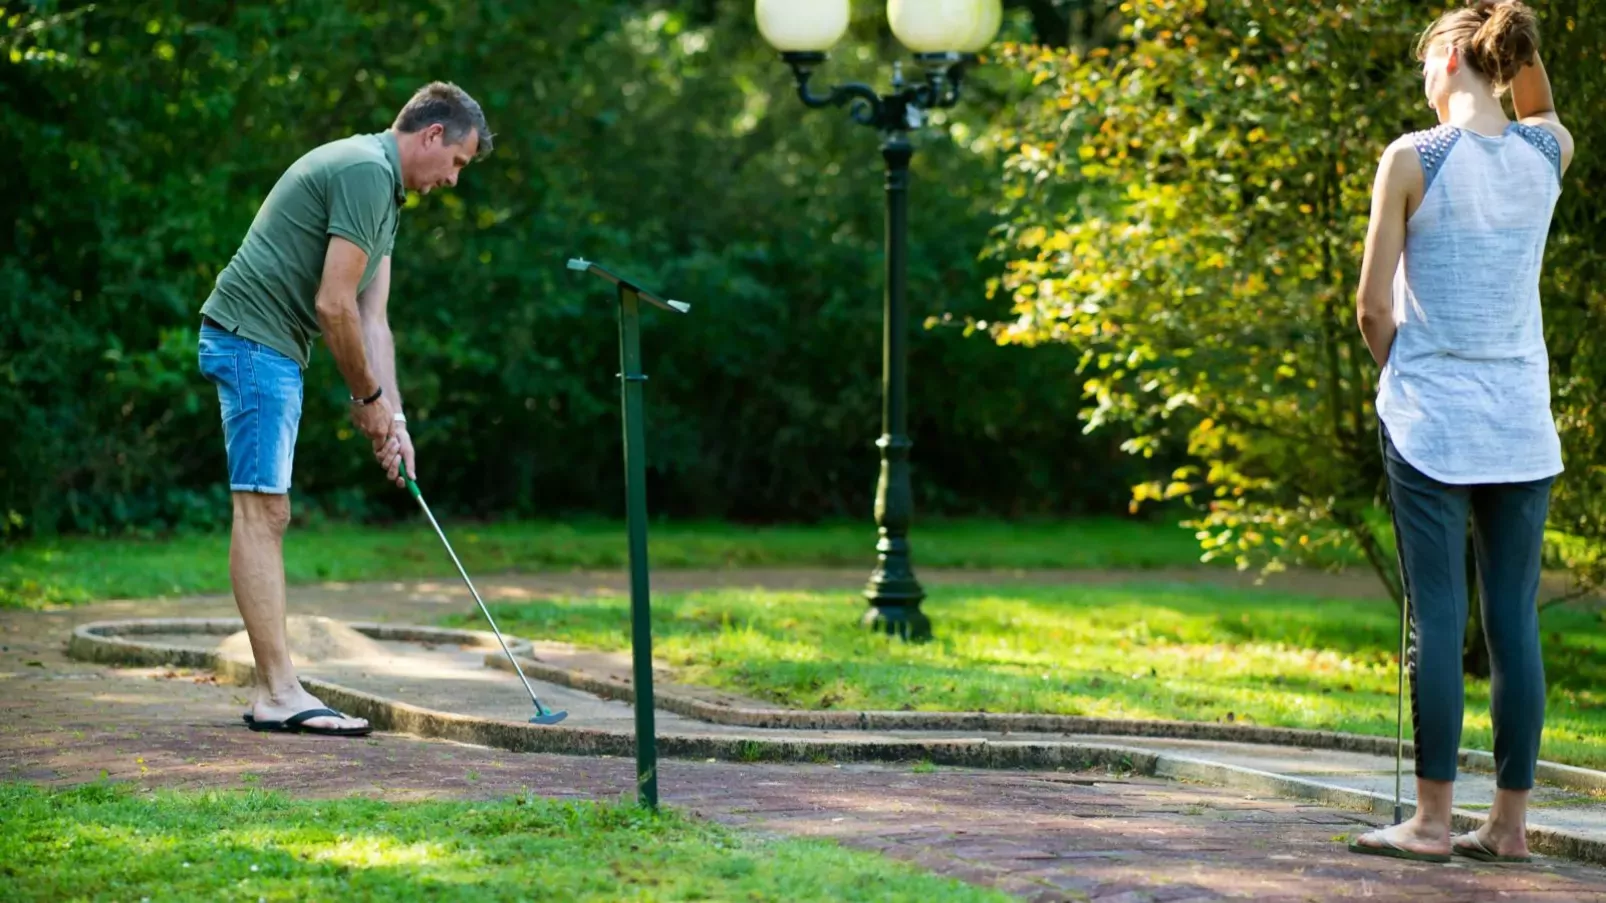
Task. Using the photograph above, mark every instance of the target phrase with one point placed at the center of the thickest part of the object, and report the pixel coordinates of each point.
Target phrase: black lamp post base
(906, 622)
(893, 583)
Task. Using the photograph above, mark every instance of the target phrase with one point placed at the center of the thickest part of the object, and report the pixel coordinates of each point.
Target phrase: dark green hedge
(664, 139)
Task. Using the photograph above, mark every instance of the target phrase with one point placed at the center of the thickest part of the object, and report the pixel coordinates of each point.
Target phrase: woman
(1464, 401)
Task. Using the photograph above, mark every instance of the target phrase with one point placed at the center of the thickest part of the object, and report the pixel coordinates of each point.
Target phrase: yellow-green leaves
(1195, 251)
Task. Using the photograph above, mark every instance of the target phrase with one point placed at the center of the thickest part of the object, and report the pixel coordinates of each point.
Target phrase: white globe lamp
(934, 26)
(802, 26)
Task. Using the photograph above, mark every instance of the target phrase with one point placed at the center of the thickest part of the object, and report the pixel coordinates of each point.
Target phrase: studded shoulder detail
(1433, 146)
(1543, 141)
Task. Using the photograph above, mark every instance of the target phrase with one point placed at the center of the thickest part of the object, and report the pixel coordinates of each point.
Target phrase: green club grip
(413, 488)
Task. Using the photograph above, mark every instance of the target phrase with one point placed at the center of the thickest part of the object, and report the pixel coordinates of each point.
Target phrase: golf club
(543, 715)
(1399, 712)
(1399, 699)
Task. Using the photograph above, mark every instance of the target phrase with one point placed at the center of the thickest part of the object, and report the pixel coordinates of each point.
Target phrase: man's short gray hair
(449, 105)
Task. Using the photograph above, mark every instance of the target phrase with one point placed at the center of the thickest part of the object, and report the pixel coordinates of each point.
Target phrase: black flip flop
(297, 724)
(1392, 850)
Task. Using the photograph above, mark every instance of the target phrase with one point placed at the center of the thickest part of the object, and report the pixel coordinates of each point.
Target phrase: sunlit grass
(108, 842)
(78, 570)
(1137, 651)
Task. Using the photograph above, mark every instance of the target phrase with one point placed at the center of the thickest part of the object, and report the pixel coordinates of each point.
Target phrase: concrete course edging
(666, 698)
(1548, 841)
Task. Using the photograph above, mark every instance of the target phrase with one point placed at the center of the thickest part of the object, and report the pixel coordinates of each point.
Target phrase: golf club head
(549, 718)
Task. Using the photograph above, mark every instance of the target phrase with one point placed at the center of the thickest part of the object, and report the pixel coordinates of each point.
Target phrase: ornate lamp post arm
(902, 110)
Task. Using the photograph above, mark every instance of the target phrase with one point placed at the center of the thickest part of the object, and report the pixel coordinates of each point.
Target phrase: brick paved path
(1043, 836)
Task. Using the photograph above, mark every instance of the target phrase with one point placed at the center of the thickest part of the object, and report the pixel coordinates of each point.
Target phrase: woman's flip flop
(1382, 846)
(1470, 846)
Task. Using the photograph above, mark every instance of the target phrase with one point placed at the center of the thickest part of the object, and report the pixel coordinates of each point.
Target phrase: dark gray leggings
(1508, 521)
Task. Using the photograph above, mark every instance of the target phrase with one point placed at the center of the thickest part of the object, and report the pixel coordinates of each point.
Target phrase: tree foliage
(662, 138)
(1187, 206)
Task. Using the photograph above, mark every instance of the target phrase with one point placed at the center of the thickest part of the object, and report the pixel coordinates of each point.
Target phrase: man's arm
(1535, 105)
(1398, 176)
(373, 307)
(343, 266)
(381, 348)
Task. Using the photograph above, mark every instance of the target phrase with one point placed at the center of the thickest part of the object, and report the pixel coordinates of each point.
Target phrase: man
(317, 261)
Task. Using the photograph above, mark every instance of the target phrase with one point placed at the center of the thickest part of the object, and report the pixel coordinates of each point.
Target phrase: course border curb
(106, 642)
(666, 697)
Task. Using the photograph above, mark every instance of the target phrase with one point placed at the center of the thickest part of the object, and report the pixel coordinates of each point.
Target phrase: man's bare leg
(256, 568)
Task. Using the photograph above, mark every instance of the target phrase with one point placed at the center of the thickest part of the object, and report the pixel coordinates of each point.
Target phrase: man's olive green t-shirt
(268, 293)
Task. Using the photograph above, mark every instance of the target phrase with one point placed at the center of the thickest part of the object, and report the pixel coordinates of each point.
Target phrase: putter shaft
(539, 708)
(1399, 694)
(1399, 711)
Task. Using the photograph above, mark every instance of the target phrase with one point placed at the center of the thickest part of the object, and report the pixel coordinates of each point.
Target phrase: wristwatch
(364, 402)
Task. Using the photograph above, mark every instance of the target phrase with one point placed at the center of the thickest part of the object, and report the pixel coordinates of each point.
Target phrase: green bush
(660, 137)
(1186, 207)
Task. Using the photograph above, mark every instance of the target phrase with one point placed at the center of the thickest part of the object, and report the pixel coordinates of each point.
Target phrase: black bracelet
(370, 399)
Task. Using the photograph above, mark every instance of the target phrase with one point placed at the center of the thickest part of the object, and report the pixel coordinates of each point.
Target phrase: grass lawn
(68, 571)
(1151, 650)
(107, 842)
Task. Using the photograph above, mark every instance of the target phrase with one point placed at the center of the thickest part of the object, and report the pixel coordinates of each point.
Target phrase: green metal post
(630, 380)
(893, 591)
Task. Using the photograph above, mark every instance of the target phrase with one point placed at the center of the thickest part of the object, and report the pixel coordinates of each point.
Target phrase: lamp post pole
(893, 591)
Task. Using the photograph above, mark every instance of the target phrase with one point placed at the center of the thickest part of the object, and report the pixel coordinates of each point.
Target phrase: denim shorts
(260, 391)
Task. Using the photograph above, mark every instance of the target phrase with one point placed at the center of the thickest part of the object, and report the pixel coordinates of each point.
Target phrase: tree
(1188, 208)
(661, 137)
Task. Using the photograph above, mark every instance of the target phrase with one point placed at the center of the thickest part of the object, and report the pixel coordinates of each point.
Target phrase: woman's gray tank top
(1465, 394)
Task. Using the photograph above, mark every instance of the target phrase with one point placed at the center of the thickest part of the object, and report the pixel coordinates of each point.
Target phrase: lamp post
(945, 35)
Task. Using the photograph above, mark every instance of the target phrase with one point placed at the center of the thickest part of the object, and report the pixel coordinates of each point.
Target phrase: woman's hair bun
(1506, 42)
